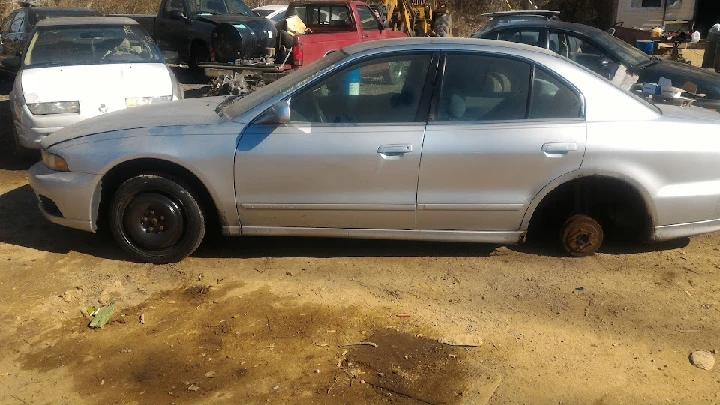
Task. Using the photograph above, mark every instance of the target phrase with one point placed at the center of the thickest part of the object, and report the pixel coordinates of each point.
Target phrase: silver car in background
(474, 140)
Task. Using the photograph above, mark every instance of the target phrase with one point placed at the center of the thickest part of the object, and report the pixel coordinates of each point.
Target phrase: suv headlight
(138, 101)
(53, 161)
(56, 107)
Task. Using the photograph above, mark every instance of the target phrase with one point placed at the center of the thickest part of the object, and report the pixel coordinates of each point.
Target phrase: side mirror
(171, 57)
(279, 113)
(11, 63)
(176, 15)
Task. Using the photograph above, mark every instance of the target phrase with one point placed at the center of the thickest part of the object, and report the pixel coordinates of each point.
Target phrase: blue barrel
(645, 45)
(351, 82)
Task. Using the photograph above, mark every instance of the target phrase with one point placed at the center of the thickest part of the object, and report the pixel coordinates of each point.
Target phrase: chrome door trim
(330, 207)
(471, 207)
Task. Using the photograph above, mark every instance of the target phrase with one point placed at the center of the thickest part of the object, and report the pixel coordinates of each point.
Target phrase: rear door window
(552, 98)
(483, 88)
(522, 36)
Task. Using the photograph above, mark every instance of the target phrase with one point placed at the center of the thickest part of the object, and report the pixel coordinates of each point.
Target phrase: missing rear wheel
(581, 236)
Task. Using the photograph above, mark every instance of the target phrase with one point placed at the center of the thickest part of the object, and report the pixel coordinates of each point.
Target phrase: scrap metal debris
(360, 344)
(235, 83)
(101, 316)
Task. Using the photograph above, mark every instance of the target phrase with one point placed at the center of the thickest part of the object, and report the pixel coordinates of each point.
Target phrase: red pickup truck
(331, 24)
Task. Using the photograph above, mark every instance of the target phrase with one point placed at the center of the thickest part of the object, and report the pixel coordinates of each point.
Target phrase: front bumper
(31, 129)
(66, 198)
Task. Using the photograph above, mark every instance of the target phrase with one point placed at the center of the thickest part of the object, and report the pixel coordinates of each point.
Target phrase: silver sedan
(425, 139)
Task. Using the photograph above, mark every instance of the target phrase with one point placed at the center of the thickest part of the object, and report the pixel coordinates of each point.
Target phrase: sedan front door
(350, 156)
(494, 141)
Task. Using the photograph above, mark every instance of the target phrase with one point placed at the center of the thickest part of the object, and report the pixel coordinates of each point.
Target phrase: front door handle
(394, 149)
(559, 148)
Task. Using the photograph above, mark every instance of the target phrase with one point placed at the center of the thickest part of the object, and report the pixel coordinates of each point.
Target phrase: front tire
(156, 219)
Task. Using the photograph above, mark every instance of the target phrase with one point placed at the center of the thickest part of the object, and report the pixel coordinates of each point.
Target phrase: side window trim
(429, 88)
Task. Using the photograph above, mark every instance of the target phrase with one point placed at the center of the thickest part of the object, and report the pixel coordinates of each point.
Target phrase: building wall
(632, 14)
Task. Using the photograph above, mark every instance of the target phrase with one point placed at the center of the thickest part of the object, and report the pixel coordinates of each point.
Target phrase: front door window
(384, 89)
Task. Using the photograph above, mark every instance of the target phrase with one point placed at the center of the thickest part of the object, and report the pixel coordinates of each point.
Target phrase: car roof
(542, 23)
(440, 43)
(522, 13)
(69, 21)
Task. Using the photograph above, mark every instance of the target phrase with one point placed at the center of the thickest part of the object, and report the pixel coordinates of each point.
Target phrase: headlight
(138, 101)
(57, 107)
(53, 161)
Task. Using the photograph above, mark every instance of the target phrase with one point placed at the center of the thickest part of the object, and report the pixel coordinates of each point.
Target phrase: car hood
(188, 112)
(88, 82)
(708, 82)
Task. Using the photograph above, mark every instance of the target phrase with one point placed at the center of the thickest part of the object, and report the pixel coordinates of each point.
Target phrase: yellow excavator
(417, 18)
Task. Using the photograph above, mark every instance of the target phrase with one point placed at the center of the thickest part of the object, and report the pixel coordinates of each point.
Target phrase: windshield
(288, 83)
(90, 45)
(628, 55)
(212, 7)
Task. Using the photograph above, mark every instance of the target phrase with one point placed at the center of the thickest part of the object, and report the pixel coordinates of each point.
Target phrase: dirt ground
(315, 321)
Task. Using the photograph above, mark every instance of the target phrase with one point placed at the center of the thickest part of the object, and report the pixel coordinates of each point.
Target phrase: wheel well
(615, 204)
(126, 170)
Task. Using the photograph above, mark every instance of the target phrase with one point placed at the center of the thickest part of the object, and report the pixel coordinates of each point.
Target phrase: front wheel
(156, 219)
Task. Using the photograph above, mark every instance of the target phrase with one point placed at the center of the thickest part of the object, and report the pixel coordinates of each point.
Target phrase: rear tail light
(297, 53)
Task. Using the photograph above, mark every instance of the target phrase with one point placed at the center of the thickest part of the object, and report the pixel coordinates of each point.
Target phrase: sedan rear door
(500, 130)
(350, 156)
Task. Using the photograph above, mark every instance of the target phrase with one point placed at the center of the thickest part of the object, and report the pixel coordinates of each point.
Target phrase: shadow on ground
(22, 224)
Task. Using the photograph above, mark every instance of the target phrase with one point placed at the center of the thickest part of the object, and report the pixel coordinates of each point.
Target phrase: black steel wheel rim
(153, 221)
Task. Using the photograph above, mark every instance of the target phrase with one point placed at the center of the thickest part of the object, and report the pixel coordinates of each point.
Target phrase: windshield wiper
(220, 109)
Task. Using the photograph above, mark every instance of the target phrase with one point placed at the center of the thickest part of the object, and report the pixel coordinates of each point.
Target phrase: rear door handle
(394, 149)
(559, 148)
